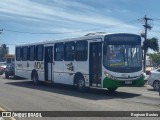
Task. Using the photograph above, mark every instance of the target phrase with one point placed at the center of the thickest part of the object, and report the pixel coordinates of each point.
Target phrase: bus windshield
(123, 57)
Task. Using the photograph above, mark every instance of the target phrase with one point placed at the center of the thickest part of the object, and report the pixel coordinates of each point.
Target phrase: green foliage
(149, 44)
(155, 57)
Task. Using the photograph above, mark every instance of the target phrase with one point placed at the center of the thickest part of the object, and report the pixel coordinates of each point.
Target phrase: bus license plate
(128, 82)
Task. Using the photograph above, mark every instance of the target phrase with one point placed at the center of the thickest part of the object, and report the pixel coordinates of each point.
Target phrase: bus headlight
(143, 74)
(109, 76)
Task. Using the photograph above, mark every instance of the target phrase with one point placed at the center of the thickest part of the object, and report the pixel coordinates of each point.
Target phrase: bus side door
(48, 65)
(95, 63)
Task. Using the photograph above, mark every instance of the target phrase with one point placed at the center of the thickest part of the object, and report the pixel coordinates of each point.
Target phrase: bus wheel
(6, 75)
(156, 85)
(81, 84)
(35, 79)
(112, 89)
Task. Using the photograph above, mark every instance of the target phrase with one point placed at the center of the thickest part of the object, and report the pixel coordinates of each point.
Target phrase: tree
(149, 44)
(3, 51)
(155, 57)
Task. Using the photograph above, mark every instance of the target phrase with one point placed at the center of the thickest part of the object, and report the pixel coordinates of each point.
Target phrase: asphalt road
(22, 95)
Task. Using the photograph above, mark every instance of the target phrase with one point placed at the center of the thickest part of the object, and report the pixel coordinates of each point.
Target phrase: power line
(155, 31)
(1, 31)
(107, 26)
(156, 18)
(8, 44)
(16, 31)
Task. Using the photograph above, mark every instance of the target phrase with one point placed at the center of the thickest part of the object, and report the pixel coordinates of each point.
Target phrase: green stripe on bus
(110, 83)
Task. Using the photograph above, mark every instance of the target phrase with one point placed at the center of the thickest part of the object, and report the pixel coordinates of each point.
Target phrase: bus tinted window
(69, 51)
(18, 53)
(39, 52)
(58, 52)
(24, 53)
(32, 53)
(81, 50)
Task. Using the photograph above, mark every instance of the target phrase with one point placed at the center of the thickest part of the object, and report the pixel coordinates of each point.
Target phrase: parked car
(10, 70)
(154, 79)
(145, 77)
(2, 67)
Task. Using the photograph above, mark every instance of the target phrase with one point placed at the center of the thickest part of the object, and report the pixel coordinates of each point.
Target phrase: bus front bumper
(110, 83)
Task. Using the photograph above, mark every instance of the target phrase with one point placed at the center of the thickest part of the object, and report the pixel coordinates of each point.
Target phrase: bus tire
(156, 85)
(35, 78)
(14, 76)
(112, 89)
(6, 75)
(81, 84)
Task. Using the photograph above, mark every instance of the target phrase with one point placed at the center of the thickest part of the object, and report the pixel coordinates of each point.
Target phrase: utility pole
(0, 47)
(1, 31)
(146, 27)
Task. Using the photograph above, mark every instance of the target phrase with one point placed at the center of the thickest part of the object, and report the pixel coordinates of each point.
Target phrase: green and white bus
(96, 60)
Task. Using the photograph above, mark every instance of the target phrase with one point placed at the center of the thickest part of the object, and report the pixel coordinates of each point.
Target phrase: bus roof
(85, 37)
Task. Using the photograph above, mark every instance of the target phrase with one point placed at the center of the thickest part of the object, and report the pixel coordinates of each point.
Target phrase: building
(9, 58)
(6, 48)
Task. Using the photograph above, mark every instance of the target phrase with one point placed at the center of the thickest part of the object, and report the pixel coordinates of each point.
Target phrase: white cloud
(58, 13)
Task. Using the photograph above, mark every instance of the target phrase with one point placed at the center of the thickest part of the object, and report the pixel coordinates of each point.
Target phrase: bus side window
(81, 49)
(69, 51)
(32, 53)
(58, 52)
(39, 53)
(24, 53)
(18, 53)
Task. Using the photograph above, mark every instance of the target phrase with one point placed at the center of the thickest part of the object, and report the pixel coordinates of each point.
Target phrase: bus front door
(95, 64)
(48, 63)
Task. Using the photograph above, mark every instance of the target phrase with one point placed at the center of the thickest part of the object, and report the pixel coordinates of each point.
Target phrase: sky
(28, 21)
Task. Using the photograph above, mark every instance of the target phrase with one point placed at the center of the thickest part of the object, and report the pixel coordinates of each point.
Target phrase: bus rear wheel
(81, 84)
(156, 85)
(6, 75)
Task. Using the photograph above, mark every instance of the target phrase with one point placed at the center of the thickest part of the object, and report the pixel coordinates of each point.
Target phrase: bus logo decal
(70, 66)
(19, 66)
(38, 65)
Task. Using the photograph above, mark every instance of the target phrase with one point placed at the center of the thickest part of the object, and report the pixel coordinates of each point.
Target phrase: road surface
(23, 95)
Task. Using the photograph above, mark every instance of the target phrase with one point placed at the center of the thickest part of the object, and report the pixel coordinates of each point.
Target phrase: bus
(106, 61)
